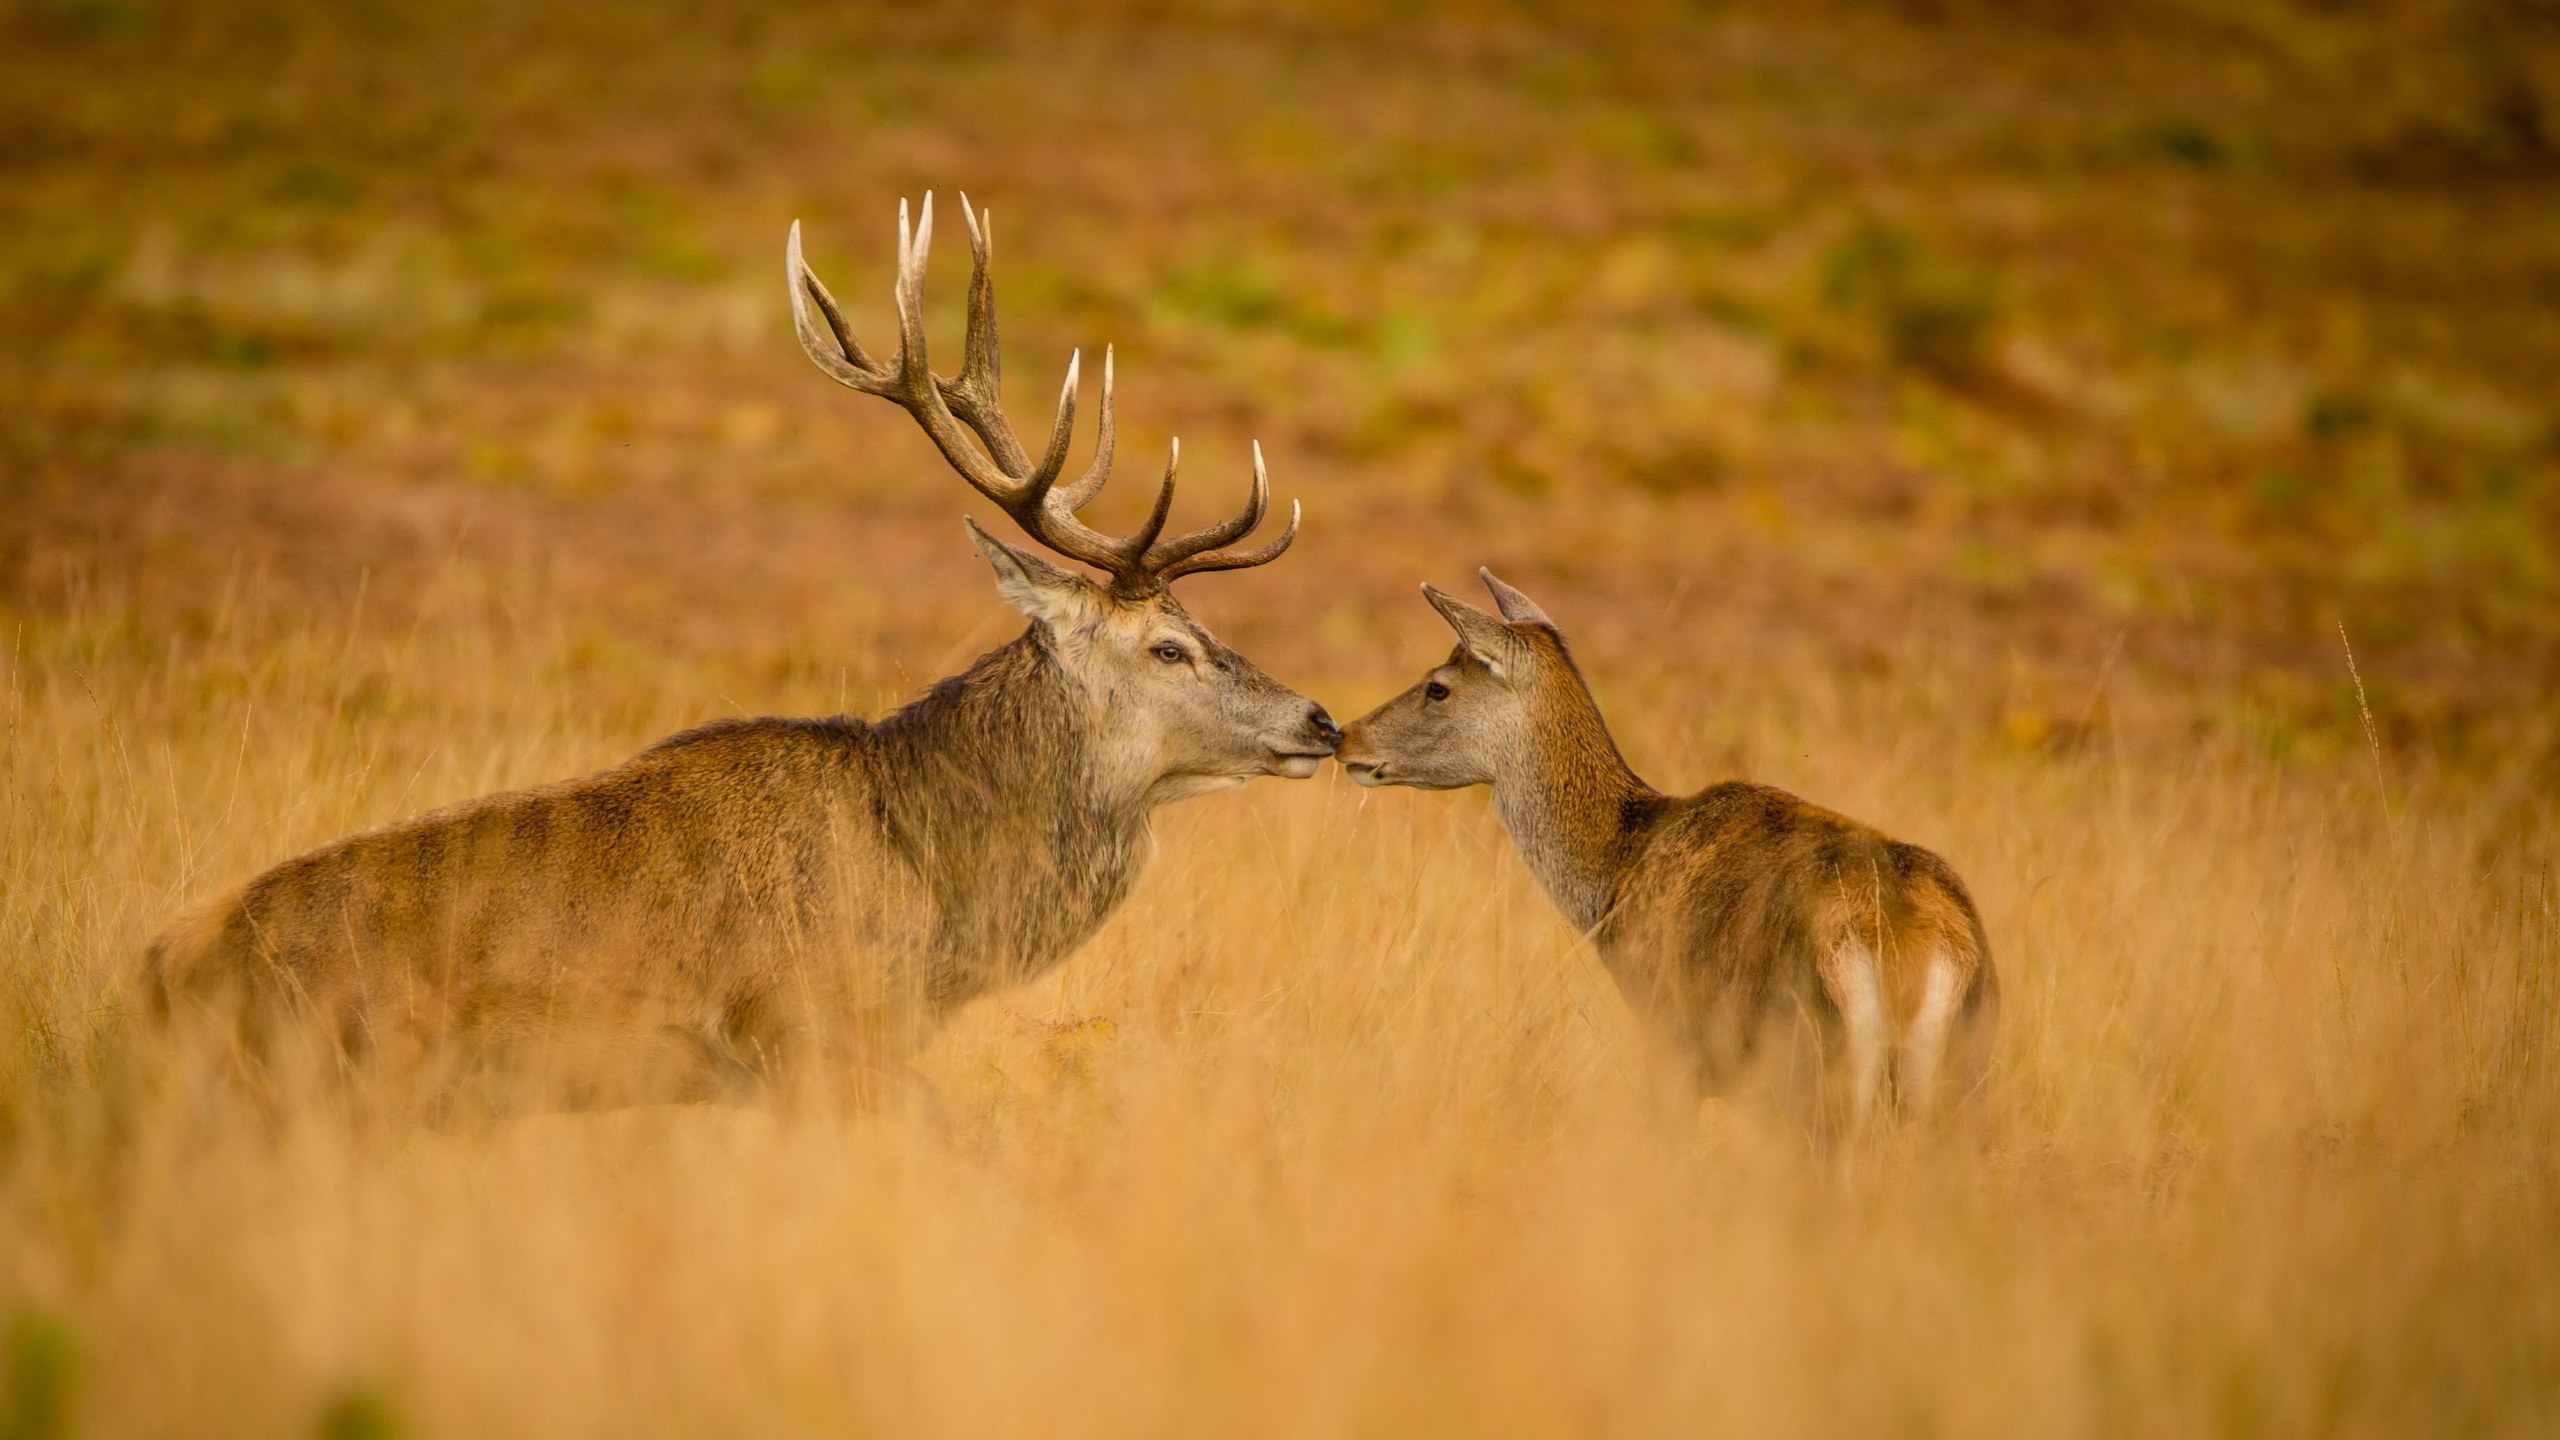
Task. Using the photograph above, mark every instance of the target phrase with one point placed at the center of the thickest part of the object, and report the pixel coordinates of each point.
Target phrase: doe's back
(1774, 939)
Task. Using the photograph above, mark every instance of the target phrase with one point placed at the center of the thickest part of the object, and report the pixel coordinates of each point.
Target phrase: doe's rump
(1782, 946)
(1907, 971)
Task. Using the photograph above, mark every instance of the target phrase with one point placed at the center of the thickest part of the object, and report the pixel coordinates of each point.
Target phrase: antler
(998, 467)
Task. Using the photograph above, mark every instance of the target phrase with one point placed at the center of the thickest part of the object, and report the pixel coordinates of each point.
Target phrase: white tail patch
(1924, 1045)
(1857, 991)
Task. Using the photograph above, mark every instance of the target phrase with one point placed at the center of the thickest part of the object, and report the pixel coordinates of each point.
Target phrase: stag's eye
(1435, 691)
(1169, 654)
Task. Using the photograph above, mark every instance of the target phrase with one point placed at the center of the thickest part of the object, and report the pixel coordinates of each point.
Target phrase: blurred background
(2022, 341)
(2114, 445)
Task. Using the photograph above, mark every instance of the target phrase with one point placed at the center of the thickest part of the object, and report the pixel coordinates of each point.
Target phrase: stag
(755, 898)
(1781, 949)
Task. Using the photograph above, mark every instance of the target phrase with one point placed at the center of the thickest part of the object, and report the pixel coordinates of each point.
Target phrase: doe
(1775, 944)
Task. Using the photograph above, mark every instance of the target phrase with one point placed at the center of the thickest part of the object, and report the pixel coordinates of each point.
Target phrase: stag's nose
(1326, 730)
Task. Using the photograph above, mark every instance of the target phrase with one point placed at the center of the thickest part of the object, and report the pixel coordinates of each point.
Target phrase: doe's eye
(1169, 654)
(1435, 691)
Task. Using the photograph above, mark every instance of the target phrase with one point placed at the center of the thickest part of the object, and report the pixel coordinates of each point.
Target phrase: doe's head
(1477, 715)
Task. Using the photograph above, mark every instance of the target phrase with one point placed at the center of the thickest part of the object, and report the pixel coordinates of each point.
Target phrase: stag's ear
(1032, 585)
(1517, 608)
(1480, 635)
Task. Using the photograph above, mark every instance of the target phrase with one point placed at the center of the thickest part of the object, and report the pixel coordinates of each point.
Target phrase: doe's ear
(1517, 608)
(1032, 585)
(1481, 635)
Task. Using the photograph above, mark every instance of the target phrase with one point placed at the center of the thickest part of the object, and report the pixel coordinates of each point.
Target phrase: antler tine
(1233, 559)
(1130, 567)
(1062, 432)
(976, 394)
(843, 360)
(1031, 501)
(981, 363)
(1005, 474)
(910, 381)
(1139, 564)
(913, 385)
(1106, 442)
(1146, 534)
(1227, 531)
(1194, 563)
(1056, 508)
(915, 243)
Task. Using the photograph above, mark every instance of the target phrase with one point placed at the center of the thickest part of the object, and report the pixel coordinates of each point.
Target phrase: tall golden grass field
(2104, 449)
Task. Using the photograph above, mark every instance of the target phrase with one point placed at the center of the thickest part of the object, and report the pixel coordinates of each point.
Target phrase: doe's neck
(1575, 811)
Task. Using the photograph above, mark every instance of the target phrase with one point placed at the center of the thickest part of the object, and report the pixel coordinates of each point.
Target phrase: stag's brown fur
(740, 893)
(746, 890)
(750, 896)
(1771, 941)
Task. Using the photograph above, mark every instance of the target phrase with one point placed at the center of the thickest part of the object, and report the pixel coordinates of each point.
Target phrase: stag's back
(701, 896)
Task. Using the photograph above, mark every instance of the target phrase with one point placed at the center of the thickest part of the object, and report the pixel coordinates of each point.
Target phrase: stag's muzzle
(1298, 757)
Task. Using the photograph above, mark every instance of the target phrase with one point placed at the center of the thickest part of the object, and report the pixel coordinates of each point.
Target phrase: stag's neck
(1013, 736)
(1575, 811)
(1000, 781)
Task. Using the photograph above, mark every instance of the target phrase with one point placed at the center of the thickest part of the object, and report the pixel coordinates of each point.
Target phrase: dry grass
(393, 414)
(1337, 1130)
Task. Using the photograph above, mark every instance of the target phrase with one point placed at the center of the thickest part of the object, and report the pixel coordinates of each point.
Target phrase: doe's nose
(1326, 730)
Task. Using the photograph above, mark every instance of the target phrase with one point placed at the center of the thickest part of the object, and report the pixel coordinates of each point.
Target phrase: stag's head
(1192, 714)
(1493, 705)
